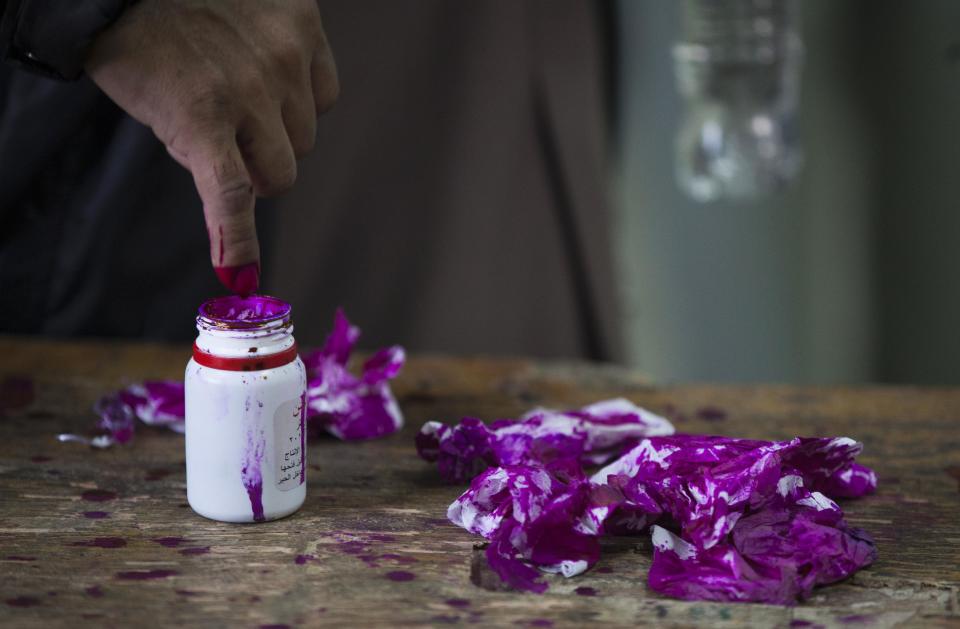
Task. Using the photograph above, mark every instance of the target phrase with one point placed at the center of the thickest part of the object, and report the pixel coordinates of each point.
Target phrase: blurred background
(501, 178)
(851, 273)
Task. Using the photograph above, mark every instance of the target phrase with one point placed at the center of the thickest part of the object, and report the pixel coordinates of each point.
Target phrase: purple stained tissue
(593, 434)
(154, 402)
(347, 406)
(730, 519)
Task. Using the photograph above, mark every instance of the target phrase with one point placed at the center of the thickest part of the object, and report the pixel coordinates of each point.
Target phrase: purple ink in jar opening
(243, 312)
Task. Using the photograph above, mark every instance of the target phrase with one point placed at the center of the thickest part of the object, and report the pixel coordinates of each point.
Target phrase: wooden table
(106, 537)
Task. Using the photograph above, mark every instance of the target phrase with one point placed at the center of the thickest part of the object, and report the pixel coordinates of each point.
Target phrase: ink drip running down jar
(245, 412)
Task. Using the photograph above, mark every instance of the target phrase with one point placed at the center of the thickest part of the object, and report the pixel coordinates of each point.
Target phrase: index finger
(228, 199)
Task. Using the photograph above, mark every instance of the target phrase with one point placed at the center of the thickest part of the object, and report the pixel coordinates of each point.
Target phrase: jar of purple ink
(245, 412)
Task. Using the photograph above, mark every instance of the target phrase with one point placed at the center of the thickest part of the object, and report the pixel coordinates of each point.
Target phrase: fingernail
(242, 280)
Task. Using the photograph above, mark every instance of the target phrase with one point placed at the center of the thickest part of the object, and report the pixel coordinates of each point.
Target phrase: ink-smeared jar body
(245, 412)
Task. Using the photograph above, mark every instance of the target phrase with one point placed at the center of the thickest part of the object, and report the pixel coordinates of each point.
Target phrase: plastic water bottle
(738, 70)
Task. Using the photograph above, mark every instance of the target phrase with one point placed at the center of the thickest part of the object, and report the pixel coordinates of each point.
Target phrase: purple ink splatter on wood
(401, 575)
(585, 591)
(370, 560)
(94, 591)
(20, 558)
(674, 413)
(378, 537)
(302, 559)
(363, 551)
(144, 575)
(800, 623)
(40, 458)
(98, 495)
(157, 474)
(353, 547)
(443, 619)
(16, 392)
(953, 471)
(712, 414)
(96, 515)
(281, 626)
(196, 550)
(102, 542)
(254, 599)
(23, 601)
(459, 603)
(169, 542)
(540, 622)
(855, 618)
(51, 593)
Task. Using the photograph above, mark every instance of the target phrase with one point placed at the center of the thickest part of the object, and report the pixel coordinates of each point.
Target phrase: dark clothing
(98, 228)
(52, 36)
(455, 201)
(101, 233)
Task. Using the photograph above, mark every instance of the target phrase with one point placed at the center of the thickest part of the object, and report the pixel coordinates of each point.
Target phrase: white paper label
(290, 444)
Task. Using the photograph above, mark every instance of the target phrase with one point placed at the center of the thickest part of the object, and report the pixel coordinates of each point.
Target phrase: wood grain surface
(105, 538)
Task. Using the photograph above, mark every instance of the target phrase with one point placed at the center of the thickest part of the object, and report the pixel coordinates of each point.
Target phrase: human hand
(233, 89)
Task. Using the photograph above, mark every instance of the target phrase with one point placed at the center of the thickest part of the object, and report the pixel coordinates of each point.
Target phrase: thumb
(228, 199)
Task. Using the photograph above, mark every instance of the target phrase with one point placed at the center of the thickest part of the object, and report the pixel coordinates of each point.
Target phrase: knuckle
(303, 136)
(286, 176)
(168, 130)
(208, 100)
(244, 242)
(235, 187)
(303, 144)
(288, 54)
(308, 16)
(328, 93)
(279, 179)
(307, 8)
(236, 193)
(250, 85)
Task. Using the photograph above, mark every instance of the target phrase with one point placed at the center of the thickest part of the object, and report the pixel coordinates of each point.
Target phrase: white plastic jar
(245, 412)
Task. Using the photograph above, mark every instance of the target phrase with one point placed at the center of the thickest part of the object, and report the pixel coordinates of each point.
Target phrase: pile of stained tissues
(729, 519)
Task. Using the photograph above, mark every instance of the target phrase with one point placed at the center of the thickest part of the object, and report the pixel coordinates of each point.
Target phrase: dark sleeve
(51, 37)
